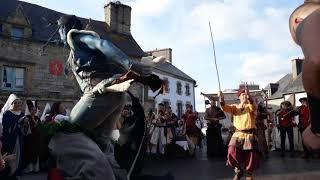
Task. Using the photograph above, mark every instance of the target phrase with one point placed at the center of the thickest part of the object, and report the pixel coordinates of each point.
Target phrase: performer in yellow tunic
(243, 146)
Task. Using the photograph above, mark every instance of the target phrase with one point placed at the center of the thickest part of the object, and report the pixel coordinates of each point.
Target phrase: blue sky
(252, 38)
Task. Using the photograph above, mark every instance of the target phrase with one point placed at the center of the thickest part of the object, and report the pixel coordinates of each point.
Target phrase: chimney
(118, 17)
(167, 53)
(296, 68)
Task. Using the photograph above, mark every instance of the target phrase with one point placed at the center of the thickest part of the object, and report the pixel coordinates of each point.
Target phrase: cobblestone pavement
(201, 168)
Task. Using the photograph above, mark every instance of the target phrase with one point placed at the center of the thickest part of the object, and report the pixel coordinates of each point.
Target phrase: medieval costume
(181, 146)
(104, 73)
(286, 118)
(5, 169)
(171, 123)
(243, 146)
(158, 137)
(150, 127)
(131, 147)
(262, 114)
(12, 136)
(192, 131)
(270, 130)
(215, 145)
(226, 136)
(31, 138)
(45, 113)
(43, 141)
(181, 129)
(304, 122)
(57, 113)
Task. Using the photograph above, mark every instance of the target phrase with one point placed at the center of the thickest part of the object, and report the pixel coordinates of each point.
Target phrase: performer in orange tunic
(243, 146)
(286, 124)
(304, 122)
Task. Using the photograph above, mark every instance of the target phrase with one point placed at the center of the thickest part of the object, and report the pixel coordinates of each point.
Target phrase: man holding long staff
(243, 146)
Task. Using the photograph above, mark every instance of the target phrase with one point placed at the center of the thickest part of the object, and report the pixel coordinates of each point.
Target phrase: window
(12, 78)
(179, 109)
(166, 85)
(17, 33)
(269, 93)
(187, 90)
(179, 88)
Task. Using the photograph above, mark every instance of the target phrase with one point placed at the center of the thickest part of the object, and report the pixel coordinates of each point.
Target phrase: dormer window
(17, 33)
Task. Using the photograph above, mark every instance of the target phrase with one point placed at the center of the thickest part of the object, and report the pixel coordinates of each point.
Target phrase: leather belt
(247, 131)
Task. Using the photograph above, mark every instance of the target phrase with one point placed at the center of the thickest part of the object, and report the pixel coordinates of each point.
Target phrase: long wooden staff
(215, 59)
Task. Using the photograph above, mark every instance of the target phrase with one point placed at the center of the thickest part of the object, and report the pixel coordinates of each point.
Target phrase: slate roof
(171, 69)
(288, 85)
(39, 17)
(295, 86)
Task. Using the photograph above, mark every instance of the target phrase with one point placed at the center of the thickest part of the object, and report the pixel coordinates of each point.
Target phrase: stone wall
(41, 80)
(40, 84)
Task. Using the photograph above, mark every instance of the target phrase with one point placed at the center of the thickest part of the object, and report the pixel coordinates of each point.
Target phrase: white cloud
(239, 20)
(227, 19)
(263, 68)
(147, 8)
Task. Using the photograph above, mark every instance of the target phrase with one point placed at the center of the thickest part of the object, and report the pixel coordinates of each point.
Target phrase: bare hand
(148, 61)
(221, 98)
(311, 140)
(101, 88)
(9, 158)
(220, 95)
(121, 87)
(2, 165)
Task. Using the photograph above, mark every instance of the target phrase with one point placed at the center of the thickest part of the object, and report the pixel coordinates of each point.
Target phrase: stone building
(179, 87)
(289, 87)
(32, 73)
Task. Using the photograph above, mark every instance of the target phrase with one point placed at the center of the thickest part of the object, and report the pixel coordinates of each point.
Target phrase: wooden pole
(215, 59)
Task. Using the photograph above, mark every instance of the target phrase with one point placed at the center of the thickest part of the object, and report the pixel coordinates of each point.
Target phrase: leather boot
(238, 174)
(249, 176)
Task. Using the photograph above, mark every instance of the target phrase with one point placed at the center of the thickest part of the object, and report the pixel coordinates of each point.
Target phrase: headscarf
(46, 110)
(29, 105)
(68, 112)
(7, 106)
